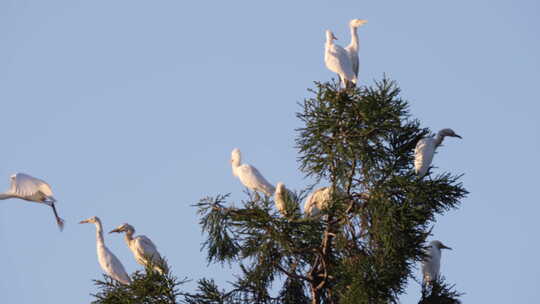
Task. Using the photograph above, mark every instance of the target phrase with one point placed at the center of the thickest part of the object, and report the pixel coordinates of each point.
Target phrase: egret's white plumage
(337, 60)
(141, 246)
(352, 48)
(425, 149)
(32, 189)
(317, 201)
(110, 264)
(249, 175)
(282, 197)
(431, 265)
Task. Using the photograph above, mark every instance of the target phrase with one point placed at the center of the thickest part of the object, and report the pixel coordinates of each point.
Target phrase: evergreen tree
(360, 249)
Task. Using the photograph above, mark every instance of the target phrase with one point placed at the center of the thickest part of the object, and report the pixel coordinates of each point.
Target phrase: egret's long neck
(329, 43)
(439, 139)
(99, 234)
(354, 37)
(235, 163)
(4, 196)
(128, 236)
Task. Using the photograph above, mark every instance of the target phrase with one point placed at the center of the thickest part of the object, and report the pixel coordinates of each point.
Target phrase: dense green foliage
(148, 287)
(363, 247)
(362, 250)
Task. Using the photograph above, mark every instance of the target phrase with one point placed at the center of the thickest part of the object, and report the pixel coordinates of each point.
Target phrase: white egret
(282, 197)
(337, 60)
(317, 201)
(32, 189)
(431, 265)
(352, 48)
(249, 175)
(141, 246)
(110, 264)
(425, 149)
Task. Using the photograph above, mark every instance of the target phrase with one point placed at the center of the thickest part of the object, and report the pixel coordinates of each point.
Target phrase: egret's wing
(24, 185)
(146, 247)
(423, 155)
(279, 198)
(431, 264)
(426, 270)
(253, 179)
(310, 204)
(337, 60)
(322, 197)
(113, 267)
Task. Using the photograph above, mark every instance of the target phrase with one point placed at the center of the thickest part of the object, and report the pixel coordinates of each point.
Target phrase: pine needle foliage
(147, 287)
(439, 293)
(363, 247)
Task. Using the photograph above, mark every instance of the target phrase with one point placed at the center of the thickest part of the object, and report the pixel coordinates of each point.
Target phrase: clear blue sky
(130, 110)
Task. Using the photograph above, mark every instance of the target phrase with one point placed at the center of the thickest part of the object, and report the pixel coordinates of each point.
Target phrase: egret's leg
(59, 220)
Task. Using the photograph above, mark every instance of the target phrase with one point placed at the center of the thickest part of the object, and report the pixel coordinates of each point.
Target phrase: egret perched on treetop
(425, 149)
(249, 175)
(318, 200)
(141, 246)
(32, 189)
(352, 48)
(282, 197)
(431, 265)
(107, 260)
(337, 60)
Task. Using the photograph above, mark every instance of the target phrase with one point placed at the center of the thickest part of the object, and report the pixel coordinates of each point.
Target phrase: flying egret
(32, 189)
(337, 60)
(282, 197)
(425, 149)
(352, 48)
(431, 265)
(141, 246)
(107, 260)
(249, 175)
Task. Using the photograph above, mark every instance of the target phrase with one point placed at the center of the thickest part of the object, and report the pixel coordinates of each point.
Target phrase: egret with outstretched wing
(32, 189)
